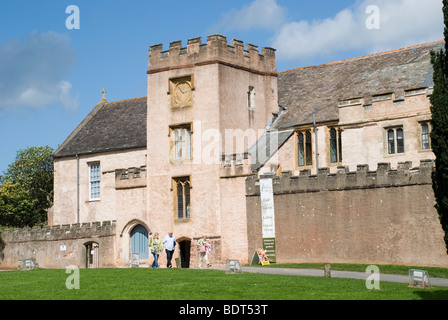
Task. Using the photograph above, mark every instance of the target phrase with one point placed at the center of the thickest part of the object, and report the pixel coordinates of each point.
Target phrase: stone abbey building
(345, 146)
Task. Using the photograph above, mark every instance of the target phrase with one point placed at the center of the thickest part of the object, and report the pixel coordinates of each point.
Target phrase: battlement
(386, 104)
(362, 178)
(130, 178)
(60, 232)
(235, 165)
(216, 50)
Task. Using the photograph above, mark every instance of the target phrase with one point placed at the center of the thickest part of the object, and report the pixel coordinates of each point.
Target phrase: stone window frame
(186, 153)
(428, 124)
(308, 149)
(181, 184)
(251, 98)
(94, 181)
(336, 144)
(393, 145)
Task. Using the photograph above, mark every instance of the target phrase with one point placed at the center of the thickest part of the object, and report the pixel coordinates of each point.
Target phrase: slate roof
(109, 126)
(267, 146)
(121, 125)
(318, 89)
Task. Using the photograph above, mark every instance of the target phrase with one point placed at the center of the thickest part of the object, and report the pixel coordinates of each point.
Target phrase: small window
(251, 98)
(309, 149)
(395, 140)
(180, 143)
(400, 141)
(304, 149)
(391, 141)
(182, 188)
(94, 179)
(335, 145)
(426, 135)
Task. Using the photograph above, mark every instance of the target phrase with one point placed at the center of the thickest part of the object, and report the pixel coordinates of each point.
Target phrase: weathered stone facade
(380, 217)
(59, 246)
(217, 114)
(219, 77)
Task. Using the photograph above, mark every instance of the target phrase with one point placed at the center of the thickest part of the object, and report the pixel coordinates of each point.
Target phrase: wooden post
(327, 272)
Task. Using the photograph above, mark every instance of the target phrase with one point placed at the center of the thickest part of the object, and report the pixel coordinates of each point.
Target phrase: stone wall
(376, 217)
(58, 246)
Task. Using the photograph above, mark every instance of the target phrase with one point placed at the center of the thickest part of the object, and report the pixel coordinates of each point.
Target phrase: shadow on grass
(432, 294)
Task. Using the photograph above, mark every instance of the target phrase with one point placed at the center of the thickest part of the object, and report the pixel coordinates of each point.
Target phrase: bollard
(327, 272)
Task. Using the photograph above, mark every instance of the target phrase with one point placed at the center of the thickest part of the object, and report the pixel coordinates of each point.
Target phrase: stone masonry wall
(381, 217)
(46, 245)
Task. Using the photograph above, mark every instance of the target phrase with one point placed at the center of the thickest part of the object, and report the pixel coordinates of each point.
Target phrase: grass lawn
(191, 284)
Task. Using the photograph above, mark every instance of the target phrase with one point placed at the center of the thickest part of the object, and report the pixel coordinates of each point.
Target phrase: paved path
(338, 274)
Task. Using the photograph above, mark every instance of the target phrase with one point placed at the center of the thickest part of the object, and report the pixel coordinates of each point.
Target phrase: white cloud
(402, 23)
(32, 72)
(259, 14)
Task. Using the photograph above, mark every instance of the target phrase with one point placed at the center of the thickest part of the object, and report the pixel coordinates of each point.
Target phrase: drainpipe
(315, 138)
(77, 188)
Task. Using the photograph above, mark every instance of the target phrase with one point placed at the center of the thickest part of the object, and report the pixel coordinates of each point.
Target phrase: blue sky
(51, 76)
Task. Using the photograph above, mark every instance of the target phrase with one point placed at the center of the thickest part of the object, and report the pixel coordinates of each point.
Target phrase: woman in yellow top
(156, 246)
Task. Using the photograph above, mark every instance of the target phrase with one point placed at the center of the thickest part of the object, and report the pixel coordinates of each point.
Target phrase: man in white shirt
(169, 242)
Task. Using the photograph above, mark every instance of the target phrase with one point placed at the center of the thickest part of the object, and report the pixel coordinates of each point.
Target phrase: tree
(439, 133)
(26, 190)
(17, 207)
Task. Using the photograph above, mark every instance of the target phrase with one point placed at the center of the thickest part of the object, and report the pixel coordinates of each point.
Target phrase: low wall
(376, 217)
(58, 246)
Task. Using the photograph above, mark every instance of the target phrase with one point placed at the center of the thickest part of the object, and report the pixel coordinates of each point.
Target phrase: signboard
(267, 208)
(269, 248)
(28, 264)
(233, 266)
(419, 278)
(263, 257)
(268, 218)
(135, 260)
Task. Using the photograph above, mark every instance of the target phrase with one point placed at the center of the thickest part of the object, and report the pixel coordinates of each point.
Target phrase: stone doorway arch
(139, 242)
(92, 254)
(184, 251)
(126, 240)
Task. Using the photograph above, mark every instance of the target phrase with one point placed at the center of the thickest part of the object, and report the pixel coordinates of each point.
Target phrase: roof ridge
(366, 56)
(83, 123)
(118, 101)
(99, 120)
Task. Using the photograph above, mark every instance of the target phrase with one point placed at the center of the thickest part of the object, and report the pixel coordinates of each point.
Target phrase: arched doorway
(184, 252)
(139, 241)
(92, 255)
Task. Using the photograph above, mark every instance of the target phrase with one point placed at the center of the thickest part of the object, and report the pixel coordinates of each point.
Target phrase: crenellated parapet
(362, 178)
(235, 165)
(130, 178)
(385, 106)
(60, 232)
(216, 50)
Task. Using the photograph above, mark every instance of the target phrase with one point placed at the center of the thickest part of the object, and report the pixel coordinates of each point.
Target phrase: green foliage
(439, 134)
(26, 190)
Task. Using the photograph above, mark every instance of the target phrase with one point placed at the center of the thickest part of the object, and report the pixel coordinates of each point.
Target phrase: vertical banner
(268, 217)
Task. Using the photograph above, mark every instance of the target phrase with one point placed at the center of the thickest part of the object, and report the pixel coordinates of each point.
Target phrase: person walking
(170, 242)
(204, 249)
(156, 247)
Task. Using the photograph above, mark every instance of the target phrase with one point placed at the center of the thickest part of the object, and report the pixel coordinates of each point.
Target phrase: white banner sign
(267, 208)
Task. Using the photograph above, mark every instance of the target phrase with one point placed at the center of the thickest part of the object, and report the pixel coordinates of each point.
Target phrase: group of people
(156, 245)
(169, 243)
